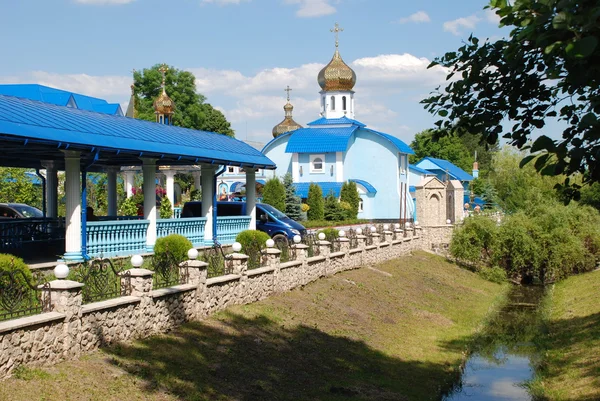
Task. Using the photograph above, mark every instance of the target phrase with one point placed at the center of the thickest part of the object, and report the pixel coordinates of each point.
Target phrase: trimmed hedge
(175, 244)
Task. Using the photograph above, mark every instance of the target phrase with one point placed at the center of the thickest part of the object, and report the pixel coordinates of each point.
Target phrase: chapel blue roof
(400, 145)
(419, 169)
(333, 121)
(326, 187)
(320, 140)
(65, 127)
(60, 97)
(370, 188)
(454, 171)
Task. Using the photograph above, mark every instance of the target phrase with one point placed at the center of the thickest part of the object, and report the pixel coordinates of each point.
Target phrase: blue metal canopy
(40, 131)
(326, 188)
(320, 140)
(370, 188)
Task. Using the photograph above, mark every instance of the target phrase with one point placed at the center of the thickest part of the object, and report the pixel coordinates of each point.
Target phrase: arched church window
(360, 205)
(344, 103)
(332, 102)
(317, 164)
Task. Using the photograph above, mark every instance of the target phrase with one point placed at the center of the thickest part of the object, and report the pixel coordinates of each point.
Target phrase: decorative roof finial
(163, 70)
(336, 30)
(288, 89)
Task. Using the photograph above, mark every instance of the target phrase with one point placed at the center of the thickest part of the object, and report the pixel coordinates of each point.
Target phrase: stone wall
(67, 328)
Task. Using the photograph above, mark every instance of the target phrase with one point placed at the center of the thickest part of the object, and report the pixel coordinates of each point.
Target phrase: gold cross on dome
(288, 89)
(337, 30)
(163, 70)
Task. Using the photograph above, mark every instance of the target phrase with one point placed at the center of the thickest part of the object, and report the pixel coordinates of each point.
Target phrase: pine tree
(293, 203)
(349, 193)
(315, 201)
(274, 194)
(332, 210)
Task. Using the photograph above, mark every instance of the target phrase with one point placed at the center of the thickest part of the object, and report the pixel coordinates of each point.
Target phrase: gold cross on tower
(337, 30)
(163, 70)
(288, 89)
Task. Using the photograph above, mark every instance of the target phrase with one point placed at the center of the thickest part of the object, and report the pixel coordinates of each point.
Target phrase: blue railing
(177, 213)
(116, 238)
(229, 227)
(192, 228)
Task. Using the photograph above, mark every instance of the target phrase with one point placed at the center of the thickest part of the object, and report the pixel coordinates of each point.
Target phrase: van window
(229, 209)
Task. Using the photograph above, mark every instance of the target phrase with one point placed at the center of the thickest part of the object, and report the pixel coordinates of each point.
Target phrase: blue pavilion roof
(57, 127)
(326, 187)
(419, 169)
(455, 171)
(370, 188)
(60, 97)
(320, 140)
(334, 121)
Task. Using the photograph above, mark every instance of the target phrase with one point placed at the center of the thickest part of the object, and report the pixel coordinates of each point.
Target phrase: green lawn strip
(570, 365)
(359, 335)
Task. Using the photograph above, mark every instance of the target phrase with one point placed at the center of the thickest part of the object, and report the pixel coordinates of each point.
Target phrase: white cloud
(491, 16)
(313, 8)
(104, 2)
(223, 2)
(456, 26)
(418, 17)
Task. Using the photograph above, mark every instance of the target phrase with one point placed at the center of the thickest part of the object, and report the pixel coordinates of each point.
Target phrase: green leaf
(498, 3)
(589, 119)
(543, 142)
(560, 21)
(443, 113)
(582, 48)
(526, 160)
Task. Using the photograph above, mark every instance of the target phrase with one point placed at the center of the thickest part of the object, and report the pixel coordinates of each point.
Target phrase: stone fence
(67, 328)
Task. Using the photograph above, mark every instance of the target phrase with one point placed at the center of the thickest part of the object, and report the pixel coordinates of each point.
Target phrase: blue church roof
(320, 140)
(400, 145)
(60, 97)
(333, 121)
(455, 171)
(57, 127)
(419, 170)
(326, 187)
(370, 188)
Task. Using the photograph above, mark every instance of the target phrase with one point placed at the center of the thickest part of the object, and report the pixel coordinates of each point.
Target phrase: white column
(251, 196)
(197, 183)
(73, 205)
(170, 174)
(339, 167)
(149, 171)
(51, 188)
(295, 168)
(111, 193)
(129, 183)
(207, 201)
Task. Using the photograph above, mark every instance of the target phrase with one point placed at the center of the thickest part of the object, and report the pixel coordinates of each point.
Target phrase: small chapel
(336, 148)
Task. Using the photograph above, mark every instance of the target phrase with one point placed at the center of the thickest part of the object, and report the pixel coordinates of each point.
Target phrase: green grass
(570, 365)
(395, 332)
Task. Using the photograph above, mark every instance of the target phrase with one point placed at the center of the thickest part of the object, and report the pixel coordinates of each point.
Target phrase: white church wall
(276, 152)
(327, 173)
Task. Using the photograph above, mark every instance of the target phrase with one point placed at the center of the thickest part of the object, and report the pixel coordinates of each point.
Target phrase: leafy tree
(293, 203)
(128, 207)
(332, 210)
(349, 193)
(165, 208)
(448, 148)
(16, 186)
(548, 67)
(315, 202)
(590, 195)
(274, 194)
(191, 109)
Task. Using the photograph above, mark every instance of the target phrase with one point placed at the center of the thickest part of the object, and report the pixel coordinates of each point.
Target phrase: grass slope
(570, 369)
(394, 332)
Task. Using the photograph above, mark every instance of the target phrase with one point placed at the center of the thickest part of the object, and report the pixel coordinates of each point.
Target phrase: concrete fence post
(195, 272)
(324, 250)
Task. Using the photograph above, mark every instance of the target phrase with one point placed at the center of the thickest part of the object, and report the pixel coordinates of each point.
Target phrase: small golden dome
(337, 76)
(288, 124)
(164, 104)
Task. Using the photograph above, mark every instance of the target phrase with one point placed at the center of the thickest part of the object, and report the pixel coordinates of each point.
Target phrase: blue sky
(245, 52)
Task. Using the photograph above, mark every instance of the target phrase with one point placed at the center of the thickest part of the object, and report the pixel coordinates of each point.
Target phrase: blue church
(337, 148)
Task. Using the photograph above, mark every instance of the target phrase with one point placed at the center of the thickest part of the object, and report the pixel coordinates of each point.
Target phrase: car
(268, 219)
(19, 211)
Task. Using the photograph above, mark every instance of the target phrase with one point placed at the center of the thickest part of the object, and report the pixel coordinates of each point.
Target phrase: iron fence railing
(21, 294)
(166, 271)
(101, 280)
(288, 252)
(352, 236)
(218, 265)
(311, 241)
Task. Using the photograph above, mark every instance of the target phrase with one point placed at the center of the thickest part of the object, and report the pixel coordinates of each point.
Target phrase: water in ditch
(503, 356)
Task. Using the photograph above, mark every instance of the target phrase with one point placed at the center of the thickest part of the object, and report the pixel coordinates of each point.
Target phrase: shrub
(253, 242)
(274, 194)
(349, 194)
(175, 244)
(331, 234)
(128, 208)
(305, 207)
(165, 208)
(475, 242)
(10, 263)
(331, 208)
(494, 274)
(315, 202)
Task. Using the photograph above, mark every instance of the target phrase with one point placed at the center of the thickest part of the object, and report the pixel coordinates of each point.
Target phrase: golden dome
(337, 76)
(164, 104)
(288, 124)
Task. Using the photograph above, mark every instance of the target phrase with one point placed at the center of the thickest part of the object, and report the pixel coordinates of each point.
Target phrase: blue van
(268, 219)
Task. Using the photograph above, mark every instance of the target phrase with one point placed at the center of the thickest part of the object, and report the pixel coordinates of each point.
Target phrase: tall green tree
(315, 202)
(293, 203)
(349, 193)
(274, 194)
(191, 109)
(332, 211)
(548, 67)
(16, 186)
